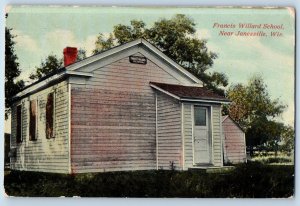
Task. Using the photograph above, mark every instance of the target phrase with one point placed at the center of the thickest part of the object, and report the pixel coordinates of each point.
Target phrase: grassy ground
(271, 158)
(247, 180)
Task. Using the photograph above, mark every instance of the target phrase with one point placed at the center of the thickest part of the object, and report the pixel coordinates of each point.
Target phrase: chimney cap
(70, 49)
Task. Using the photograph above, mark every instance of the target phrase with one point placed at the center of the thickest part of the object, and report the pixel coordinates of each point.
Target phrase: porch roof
(189, 92)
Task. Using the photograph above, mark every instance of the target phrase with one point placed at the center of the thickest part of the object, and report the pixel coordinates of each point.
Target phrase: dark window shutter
(32, 120)
(49, 116)
(19, 124)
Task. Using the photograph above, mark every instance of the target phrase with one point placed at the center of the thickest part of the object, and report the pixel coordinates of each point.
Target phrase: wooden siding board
(188, 145)
(117, 103)
(234, 144)
(169, 132)
(44, 155)
(217, 136)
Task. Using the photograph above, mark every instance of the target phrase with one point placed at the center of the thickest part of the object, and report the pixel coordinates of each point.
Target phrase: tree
(266, 134)
(52, 63)
(49, 65)
(175, 37)
(81, 54)
(251, 102)
(254, 110)
(288, 139)
(12, 71)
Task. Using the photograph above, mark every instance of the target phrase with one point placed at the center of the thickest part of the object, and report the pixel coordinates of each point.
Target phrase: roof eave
(42, 84)
(206, 100)
(190, 99)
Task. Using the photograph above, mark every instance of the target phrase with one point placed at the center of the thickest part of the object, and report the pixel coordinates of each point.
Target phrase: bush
(247, 180)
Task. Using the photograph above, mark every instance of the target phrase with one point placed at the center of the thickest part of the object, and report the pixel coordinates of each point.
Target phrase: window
(32, 120)
(19, 124)
(200, 116)
(50, 116)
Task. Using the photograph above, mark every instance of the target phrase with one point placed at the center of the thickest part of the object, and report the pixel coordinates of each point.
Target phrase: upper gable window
(32, 120)
(19, 124)
(50, 116)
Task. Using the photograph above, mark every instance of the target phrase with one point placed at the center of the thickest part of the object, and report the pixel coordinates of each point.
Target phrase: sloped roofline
(227, 116)
(117, 49)
(70, 70)
(186, 99)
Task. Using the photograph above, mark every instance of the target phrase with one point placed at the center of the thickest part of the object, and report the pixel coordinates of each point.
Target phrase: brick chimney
(70, 55)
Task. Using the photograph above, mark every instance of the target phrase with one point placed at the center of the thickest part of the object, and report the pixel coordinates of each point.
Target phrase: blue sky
(47, 30)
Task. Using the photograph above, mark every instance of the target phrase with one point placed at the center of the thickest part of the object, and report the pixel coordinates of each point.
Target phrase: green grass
(247, 180)
(272, 159)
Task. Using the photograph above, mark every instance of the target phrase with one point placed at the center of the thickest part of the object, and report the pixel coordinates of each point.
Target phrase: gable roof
(72, 69)
(227, 116)
(122, 47)
(189, 93)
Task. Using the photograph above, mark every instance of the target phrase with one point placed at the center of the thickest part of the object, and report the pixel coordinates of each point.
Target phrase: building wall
(234, 142)
(216, 132)
(217, 135)
(44, 155)
(169, 132)
(187, 132)
(113, 117)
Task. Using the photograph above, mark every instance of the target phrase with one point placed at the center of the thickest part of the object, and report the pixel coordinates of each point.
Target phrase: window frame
(205, 115)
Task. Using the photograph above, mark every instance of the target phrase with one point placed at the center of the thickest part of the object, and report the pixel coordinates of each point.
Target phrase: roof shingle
(190, 92)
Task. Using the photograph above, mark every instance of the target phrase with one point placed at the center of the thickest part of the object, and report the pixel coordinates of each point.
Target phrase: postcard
(149, 101)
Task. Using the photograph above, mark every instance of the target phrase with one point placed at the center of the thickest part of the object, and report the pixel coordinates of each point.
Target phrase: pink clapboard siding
(169, 133)
(234, 142)
(113, 123)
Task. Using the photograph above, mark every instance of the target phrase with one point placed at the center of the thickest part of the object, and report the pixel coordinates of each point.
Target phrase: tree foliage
(176, 38)
(254, 110)
(49, 65)
(81, 54)
(12, 71)
(252, 102)
(288, 139)
(52, 63)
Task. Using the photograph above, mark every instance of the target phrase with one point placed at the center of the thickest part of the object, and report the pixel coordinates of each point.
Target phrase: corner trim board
(192, 118)
(182, 135)
(70, 161)
(156, 132)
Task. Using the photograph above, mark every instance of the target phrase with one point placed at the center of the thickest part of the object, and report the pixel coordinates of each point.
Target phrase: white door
(201, 136)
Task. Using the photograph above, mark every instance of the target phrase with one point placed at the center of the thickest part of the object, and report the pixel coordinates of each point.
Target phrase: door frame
(210, 130)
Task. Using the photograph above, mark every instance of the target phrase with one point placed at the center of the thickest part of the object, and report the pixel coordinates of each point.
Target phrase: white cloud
(240, 57)
(89, 44)
(25, 41)
(31, 51)
(288, 116)
(203, 33)
(63, 38)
